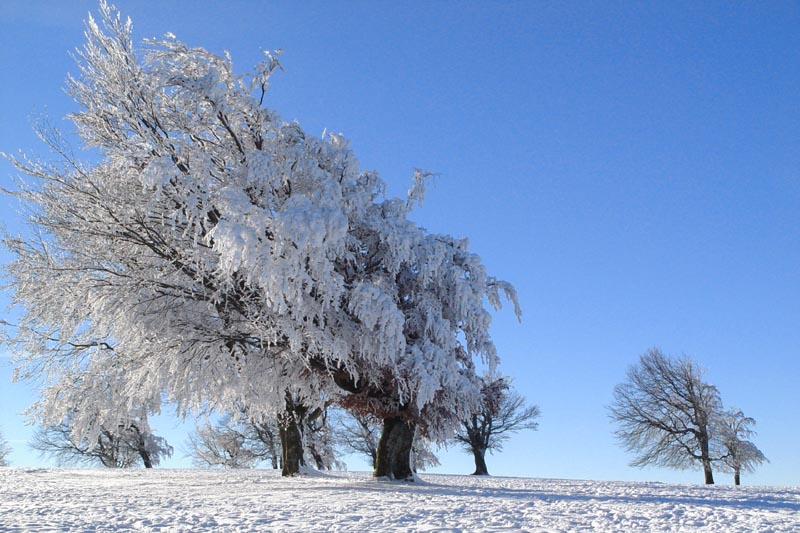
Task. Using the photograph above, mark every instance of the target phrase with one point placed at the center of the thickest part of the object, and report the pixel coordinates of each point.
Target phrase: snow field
(73, 500)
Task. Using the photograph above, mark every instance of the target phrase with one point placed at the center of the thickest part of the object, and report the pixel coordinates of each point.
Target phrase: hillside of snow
(258, 500)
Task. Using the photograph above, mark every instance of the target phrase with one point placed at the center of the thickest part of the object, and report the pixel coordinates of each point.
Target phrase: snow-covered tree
(503, 413)
(735, 431)
(220, 445)
(5, 450)
(665, 413)
(217, 255)
(423, 456)
(124, 445)
(263, 435)
(440, 289)
(237, 440)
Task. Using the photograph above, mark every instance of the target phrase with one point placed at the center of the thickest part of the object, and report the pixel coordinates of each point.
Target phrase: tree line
(665, 412)
(244, 440)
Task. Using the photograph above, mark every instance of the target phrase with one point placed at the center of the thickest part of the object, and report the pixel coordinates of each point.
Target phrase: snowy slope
(258, 500)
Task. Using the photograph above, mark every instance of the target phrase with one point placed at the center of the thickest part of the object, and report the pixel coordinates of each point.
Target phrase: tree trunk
(737, 480)
(480, 461)
(274, 455)
(705, 458)
(143, 453)
(393, 460)
(291, 445)
(708, 473)
(291, 435)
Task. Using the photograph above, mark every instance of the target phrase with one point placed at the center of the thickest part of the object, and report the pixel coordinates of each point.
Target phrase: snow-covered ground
(34, 500)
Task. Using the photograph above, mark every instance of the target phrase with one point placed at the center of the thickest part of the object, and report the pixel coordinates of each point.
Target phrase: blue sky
(632, 168)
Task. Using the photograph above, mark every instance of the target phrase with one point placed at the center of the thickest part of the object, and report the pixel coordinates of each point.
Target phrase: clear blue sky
(633, 168)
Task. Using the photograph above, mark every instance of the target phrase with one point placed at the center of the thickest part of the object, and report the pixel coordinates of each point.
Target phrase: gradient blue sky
(631, 167)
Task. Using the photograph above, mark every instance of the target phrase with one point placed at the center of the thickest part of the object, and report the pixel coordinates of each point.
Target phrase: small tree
(151, 449)
(121, 446)
(319, 440)
(263, 436)
(422, 454)
(257, 434)
(242, 441)
(503, 412)
(665, 413)
(735, 430)
(222, 445)
(359, 434)
(5, 450)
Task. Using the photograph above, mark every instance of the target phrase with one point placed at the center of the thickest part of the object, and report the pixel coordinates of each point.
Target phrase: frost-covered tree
(124, 445)
(263, 435)
(320, 440)
(665, 413)
(237, 440)
(503, 413)
(90, 413)
(216, 255)
(5, 450)
(735, 430)
(440, 289)
(423, 456)
(221, 445)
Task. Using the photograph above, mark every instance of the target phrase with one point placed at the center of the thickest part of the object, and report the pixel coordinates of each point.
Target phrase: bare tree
(123, 446)
(735, 430)
(503, 413)
(359, 434)
(665, 413)
(5, 450)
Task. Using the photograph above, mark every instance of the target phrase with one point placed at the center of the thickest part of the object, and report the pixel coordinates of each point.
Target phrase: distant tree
(665, 413)
(222, 444)
(502, 413)
(359, 434)
(422, 454)
(735, 430)
(5, 450)
(263, 435)
(258, 433)
(319, 440)
(150, 448)
(122, 446)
